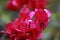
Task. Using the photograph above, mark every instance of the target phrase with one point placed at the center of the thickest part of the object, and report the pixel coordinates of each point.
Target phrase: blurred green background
(52, 32)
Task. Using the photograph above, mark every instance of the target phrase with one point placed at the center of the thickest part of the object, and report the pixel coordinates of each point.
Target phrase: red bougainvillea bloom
(42, 18)
(33, 19)
(41, 4)
(32, 32)
(9, 28)
(15, 29)
(14, 5)
(24, 13)
(48, 13)
(22, 28)
(37, 4)
(41, 15)
(31, 4)
(10, 6)
(26, 27)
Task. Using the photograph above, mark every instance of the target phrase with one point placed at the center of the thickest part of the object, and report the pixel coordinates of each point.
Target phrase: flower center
(42, 24)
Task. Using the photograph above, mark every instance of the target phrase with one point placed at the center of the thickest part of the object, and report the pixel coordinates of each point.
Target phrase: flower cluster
(33, 19)
(32, 4)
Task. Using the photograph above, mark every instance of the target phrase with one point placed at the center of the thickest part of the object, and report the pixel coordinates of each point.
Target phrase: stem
(3, 32)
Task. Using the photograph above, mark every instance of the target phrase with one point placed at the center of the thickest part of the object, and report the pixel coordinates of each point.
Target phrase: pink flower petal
(48, 12)
(31, 14)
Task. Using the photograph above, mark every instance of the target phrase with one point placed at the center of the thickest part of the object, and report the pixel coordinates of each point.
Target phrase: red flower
(30, 23)
(9, 28)
(24, 13)
(32, 32)
(14, 5)
(41, 4)
(31, 4)
(27, 28)
(41, 18)
(19, 28)
(41, 15)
